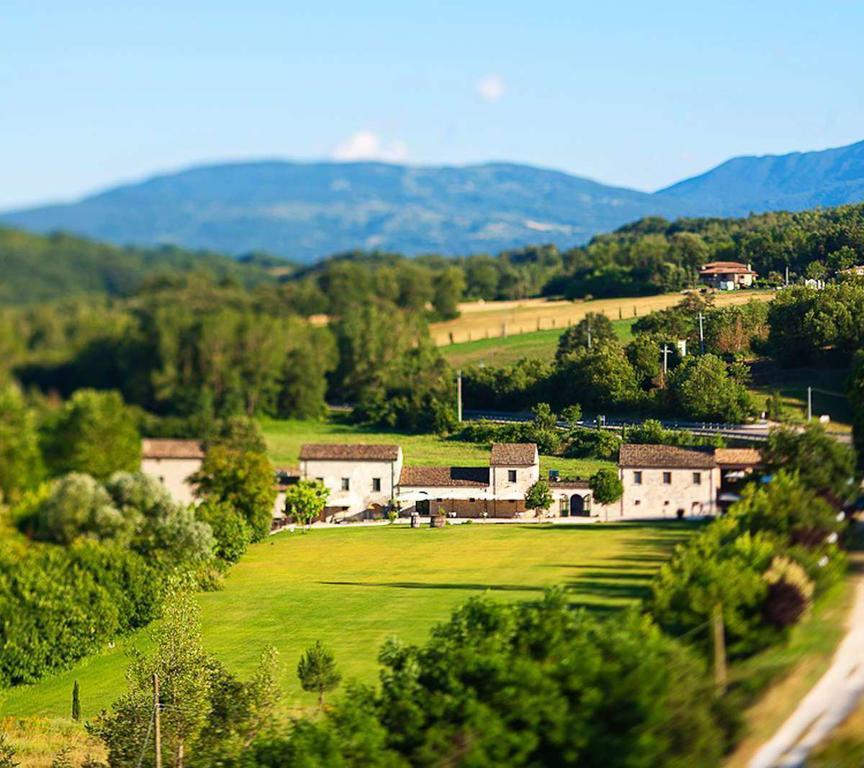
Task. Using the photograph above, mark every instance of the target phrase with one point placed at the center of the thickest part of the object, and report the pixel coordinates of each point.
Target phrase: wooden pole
(720, 676)
(157, 732)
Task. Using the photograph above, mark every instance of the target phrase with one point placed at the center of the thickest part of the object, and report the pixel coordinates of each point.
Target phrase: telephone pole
(701, 336)
(720, 677)
(459, 396)
(665, 352)
(157, 732)
(809, 403)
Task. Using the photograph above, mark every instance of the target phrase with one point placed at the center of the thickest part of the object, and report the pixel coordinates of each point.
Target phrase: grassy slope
(540, 344)
(353, 588)
(284, 439)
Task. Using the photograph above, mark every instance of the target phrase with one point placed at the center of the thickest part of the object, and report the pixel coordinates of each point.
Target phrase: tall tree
(21, 465)
(317, 671)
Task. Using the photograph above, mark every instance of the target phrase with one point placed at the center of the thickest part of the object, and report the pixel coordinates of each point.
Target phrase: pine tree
(317, 671)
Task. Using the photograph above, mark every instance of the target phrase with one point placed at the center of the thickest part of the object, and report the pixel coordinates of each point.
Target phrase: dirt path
(827, 704)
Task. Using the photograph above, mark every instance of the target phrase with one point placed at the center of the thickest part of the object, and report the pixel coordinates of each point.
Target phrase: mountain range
(306, 211)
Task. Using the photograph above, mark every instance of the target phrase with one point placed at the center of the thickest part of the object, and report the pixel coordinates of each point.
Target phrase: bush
(592, 443)
(229, 527)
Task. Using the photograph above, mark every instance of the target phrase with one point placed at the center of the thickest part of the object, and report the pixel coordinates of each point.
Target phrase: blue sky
(633, 93)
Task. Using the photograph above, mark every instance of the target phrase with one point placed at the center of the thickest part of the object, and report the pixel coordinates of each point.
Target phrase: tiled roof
(513, 454)
(565, 485)
(348, 452)
(724, 267)
(738, 457)
(158, 448)
(665, 457)
(444, 477)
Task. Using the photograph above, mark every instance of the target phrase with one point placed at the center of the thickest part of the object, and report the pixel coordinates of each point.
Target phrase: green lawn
(502, 351)
(284, 439)
(354, 587)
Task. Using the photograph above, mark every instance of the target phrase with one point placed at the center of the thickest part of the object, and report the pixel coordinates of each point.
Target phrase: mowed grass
(284, 438)
(354, 587)
(503, 351)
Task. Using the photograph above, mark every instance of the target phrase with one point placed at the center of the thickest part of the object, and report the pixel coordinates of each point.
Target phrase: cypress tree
(76, 703)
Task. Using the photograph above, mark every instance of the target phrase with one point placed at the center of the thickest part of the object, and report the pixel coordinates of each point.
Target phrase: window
(667, 478)
(636, 503)
(697, 478)
(637, 478)
(565, 506)
(511, 475)
(320, 480)
(376, 484)
(346, 484)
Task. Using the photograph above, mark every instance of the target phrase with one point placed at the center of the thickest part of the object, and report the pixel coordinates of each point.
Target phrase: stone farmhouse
(727, 275)
(364, 481)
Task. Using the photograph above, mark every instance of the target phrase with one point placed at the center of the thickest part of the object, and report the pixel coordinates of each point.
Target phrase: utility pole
(720, 677)
(459, 395)
(787, 276)
(589, 334)
(809, 403)
(157, 732)
(665, 352)
(701, 336)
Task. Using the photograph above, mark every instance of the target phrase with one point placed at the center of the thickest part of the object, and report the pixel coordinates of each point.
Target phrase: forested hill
(309, 211)
(40, 268)
(790, 182)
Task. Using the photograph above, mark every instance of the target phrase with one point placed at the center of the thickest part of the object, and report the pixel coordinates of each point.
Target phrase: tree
(317, 671)
(539, 497)
(94, 433)
(21, 465)
(594, 326)
(598, 377)
(704, 389)
(76, 702)
(230, 529)
(62, 759)
(822, 463)
(305, 501)
(184, 671)
(855, 390)
(239, 433)
(449, 285)
(606, 486)
(245, 480)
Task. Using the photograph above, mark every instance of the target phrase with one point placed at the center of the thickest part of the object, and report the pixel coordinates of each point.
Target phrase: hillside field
(354, 587)
(488, 320)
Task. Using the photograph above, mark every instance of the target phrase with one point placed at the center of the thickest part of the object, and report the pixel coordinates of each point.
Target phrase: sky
(639, 94)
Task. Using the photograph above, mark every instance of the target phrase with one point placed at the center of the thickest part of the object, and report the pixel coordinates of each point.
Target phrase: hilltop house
(173, 462)
(727, 275)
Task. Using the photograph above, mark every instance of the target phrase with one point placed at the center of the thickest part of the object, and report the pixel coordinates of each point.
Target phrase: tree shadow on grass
(613, 590)
(468, 587)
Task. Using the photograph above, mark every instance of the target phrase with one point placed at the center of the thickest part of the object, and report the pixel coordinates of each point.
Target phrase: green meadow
(354, 587)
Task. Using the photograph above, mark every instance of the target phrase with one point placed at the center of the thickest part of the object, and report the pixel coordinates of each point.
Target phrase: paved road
(827, 704)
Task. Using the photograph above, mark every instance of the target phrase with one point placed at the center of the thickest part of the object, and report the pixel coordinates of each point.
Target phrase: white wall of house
(360, 478)
(174, 474)
(663, 492)
(509, 482)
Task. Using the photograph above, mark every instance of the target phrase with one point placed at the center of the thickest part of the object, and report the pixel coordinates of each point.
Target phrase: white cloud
(490, 88)
(368, 145)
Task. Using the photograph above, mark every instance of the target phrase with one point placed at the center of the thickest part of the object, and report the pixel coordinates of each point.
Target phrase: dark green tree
(595, 328)
(317, 671)
(539, 497)
(606, 486)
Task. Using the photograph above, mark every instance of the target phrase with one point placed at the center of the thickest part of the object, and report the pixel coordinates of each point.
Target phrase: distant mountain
(790, 182)
(306, 211)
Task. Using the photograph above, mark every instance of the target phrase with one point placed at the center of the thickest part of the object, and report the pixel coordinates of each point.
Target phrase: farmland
(487, 320)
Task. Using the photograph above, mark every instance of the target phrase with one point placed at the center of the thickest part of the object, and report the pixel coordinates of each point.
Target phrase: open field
(502, 351)
(354, 587)
(486, 320)
(284, 439)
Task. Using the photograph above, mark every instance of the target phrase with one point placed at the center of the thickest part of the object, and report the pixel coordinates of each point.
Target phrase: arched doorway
(577, 505)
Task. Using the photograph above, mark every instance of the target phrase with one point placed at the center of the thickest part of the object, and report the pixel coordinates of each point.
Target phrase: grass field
(284, 439)
(353, 588)
(481, 320)
(498, 351)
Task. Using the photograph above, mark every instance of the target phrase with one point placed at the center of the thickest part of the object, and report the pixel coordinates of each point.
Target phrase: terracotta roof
(444, 477)
(737, 457)
(513, 454)
(568, 484)
(158, 448)
(725, 267)
(348, 452)
(665, 457)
